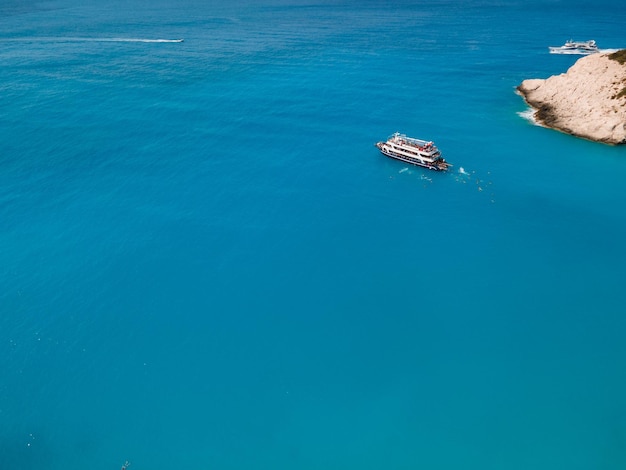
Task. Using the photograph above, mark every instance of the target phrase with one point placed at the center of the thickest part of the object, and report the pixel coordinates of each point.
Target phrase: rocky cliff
(588, 101)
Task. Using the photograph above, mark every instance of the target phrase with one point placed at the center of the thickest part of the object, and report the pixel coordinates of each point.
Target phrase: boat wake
(129, 40)
(79, 39)
(570, 52)
(579, 52)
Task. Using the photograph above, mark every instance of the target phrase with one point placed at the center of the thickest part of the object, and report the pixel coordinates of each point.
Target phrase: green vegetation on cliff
(619, 56)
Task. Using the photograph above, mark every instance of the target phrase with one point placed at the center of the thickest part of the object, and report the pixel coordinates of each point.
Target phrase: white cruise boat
(574, 47)
(413, 151)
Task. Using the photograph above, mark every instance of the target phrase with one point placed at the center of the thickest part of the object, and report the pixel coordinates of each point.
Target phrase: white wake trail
(130, 40)
(81, 39)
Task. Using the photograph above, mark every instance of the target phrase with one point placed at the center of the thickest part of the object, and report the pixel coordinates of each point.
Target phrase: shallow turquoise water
(205, 263)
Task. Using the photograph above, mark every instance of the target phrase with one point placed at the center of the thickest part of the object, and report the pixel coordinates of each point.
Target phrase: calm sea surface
(206, 264)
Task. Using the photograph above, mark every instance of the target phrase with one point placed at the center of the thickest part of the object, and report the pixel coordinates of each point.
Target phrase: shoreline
(588, 101)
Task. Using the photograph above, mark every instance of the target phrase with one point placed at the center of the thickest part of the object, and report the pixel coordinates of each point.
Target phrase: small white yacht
(575, 47)
(414, 151)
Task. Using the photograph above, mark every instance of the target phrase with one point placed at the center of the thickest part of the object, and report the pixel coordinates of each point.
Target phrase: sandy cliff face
(588, 101)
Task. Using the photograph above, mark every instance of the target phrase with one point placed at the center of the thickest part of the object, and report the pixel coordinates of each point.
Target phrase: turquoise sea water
(206, 264)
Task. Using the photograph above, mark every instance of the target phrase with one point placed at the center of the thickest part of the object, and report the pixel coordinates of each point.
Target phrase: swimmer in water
(126, 465)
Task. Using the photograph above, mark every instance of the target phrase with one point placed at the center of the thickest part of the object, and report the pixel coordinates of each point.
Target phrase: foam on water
(529, 115)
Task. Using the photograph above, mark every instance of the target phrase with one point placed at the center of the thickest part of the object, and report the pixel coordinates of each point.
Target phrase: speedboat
(576, 47)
